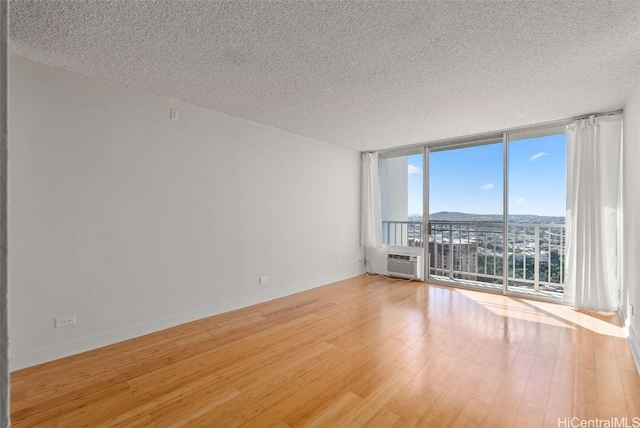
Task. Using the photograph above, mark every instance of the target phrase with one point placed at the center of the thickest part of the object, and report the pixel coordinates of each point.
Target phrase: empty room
(320, 213)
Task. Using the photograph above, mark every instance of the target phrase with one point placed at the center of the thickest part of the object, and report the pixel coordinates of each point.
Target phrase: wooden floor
(362, 352)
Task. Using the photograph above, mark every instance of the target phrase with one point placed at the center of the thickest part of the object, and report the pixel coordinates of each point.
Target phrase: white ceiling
(364, 75)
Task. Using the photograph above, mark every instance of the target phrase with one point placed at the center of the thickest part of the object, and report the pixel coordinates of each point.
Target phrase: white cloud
(538, 156)
(520, 200)
(487, 186)
(414, 170)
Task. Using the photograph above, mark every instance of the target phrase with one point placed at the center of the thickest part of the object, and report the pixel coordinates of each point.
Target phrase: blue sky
(470, 179)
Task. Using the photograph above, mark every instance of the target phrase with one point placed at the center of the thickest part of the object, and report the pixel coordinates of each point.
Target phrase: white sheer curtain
(593, 179)
(370, 224)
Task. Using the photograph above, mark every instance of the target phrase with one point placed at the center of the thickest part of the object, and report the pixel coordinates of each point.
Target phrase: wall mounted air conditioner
(404, 265)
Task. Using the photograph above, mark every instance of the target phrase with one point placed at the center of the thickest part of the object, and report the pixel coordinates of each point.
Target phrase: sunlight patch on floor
(547, 313)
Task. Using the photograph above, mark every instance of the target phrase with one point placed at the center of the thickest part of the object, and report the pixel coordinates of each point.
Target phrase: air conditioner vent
(404, 265)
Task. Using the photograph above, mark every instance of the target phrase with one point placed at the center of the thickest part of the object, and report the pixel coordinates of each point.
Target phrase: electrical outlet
(632, 310)
(65, 321)
(263, 279)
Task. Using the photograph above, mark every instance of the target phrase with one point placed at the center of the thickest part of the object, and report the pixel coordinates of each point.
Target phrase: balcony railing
(402, 233)
(475, 251)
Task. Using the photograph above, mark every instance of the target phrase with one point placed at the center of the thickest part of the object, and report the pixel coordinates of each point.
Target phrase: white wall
(631, 220)
(135, 222)
(394, 188)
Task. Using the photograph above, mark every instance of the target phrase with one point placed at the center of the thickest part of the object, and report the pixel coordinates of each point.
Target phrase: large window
(537, 208)
(466, 212)
(401, 196)
(496, 209)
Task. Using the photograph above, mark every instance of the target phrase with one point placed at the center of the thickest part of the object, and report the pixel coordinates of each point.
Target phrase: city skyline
(469, 179)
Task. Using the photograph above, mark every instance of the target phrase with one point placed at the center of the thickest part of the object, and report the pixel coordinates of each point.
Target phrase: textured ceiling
(365, 75)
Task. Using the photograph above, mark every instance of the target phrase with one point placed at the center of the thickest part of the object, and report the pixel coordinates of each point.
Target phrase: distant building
(457, 254)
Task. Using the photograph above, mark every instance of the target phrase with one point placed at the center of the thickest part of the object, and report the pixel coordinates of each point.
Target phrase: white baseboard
(634, 345)
(77, 346)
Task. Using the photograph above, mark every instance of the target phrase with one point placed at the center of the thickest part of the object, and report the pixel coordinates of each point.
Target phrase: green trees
(523, 268)
(488, 267)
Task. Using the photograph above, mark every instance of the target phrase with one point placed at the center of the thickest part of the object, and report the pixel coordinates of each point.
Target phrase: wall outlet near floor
(66, 321)
(263, 279)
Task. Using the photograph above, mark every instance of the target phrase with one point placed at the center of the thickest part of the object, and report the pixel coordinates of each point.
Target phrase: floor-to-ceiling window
(496, 210)
(466, 212)
(401, 197)
(537, 207)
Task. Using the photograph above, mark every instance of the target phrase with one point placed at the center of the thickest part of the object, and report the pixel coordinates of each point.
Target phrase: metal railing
(402, 233)
(475, 250)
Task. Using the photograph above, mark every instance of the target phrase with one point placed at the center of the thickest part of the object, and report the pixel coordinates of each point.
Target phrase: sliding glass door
(496, 213)
(466, 211)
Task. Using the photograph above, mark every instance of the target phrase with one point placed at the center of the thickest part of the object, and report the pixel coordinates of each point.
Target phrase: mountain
(514, 218)
(457, 216)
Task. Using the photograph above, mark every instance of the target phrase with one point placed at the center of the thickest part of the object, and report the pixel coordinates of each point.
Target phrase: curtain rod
(493, 134)
(611, 113)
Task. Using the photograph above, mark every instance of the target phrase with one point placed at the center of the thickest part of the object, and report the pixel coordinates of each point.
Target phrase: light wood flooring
(362, 352)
